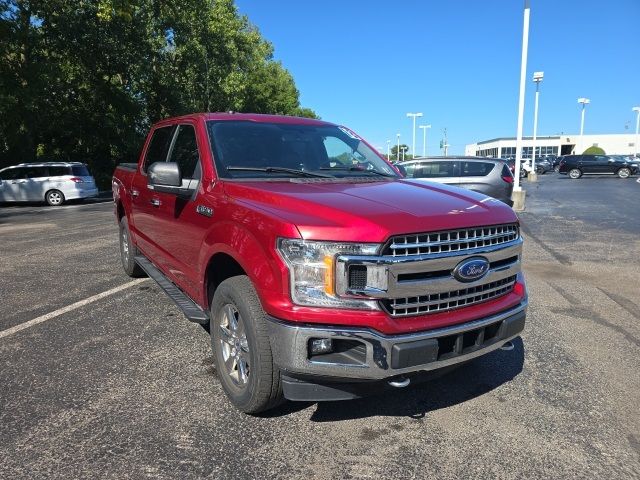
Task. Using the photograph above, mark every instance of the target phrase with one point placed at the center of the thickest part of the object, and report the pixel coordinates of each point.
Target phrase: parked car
(525, 167)
(577, 165)
(543, 165)
(556, 163)
(320, 273)
(489, 176)
(51, 182)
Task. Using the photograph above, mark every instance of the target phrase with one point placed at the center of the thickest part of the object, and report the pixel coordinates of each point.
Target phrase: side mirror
(165, 177)
(164, 174)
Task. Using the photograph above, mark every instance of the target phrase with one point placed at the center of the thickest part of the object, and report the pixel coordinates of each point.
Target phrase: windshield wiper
(292, 171)
(357, 169)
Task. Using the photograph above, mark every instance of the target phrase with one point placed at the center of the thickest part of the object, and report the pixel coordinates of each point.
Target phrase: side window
(588, 158)
(36, 172)
(435, 170)
(185, 153)
(59, 171)
(158, 146)
(475, 169)
(410, 169)
(13, 174)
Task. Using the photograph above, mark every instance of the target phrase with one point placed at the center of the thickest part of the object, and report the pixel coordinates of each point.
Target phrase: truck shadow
(469, 381)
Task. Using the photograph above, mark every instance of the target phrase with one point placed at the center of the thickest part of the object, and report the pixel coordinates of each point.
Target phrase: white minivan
(52, 182)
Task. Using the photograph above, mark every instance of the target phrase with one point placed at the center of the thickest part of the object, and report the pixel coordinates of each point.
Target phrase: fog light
(321, 345)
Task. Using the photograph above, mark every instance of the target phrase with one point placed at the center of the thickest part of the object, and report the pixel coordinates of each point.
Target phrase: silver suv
(489, 176)
(51, 182)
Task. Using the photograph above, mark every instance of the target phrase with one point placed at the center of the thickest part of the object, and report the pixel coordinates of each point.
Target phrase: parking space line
(56, 313)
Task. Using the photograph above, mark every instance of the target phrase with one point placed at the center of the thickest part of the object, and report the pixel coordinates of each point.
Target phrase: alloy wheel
(234, 345)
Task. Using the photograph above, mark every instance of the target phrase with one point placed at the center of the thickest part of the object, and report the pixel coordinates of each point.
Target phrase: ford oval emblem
(471, 269)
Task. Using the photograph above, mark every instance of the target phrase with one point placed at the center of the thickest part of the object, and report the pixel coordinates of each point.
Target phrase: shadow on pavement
(469, 381)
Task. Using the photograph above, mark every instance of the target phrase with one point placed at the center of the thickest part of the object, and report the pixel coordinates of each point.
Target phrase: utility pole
(518, 194)
(445, 145)
(413, 144)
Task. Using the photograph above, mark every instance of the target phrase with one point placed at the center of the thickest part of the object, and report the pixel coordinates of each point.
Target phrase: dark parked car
(577, 165)
(490, 176)
(543, 165)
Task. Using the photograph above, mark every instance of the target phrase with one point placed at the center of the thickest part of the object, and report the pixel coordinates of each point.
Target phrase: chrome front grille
(439, 302)
(451, 240)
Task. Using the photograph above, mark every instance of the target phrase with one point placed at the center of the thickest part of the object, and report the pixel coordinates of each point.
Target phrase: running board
(190, 309)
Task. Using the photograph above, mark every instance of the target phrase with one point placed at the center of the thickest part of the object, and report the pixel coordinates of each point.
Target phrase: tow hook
(400, 382)
(507, 347)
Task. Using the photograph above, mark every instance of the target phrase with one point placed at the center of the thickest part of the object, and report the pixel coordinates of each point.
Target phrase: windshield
(245, 149)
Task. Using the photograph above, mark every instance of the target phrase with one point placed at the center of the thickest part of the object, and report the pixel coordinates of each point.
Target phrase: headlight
(312, 271)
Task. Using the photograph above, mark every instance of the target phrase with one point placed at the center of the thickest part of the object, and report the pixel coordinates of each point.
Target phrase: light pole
(518, 193)
(389, 150)
(584, 102)
(537, 78)
(637, 110)
(424, 139)
(398, 151)
(413, 144)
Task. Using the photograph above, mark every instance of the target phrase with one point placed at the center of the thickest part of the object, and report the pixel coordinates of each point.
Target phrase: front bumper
(362, 354)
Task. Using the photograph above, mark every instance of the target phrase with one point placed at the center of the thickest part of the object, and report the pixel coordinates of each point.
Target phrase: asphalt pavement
(120, 385)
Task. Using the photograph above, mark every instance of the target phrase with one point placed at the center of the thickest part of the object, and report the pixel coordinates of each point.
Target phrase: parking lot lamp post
(413, 144)
(389, 150)
(584, 102)
(398, 151)
(424, 139)
(537, 78)
(519, 194)
(637, 110)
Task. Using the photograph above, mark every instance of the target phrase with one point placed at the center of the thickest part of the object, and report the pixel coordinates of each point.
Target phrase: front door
(182, 223)
(144, 201)
(12, 188)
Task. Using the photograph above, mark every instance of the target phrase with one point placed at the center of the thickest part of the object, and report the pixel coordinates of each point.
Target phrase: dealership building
(621, 144)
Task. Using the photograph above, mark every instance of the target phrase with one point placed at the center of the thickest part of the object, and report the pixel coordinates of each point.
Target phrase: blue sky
(365, 64)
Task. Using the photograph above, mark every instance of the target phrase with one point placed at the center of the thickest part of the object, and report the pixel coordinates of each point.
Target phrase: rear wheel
(624, 172)
(556, 169)
(128, 251)
(540, 170)
(54, 198)
(241, 347)
(575, 173)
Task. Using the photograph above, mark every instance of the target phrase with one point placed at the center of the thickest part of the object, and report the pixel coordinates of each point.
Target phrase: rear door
(587, 164)
(35, 186)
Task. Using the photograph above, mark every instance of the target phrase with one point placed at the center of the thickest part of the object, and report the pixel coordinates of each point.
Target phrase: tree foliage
(593, 151)
(83, 80)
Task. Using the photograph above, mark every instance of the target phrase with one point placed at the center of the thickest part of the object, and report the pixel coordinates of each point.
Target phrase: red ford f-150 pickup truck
(319, 271)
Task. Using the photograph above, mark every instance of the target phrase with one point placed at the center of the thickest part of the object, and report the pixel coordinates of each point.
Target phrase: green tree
(593, 151)
(85, 80)
(403, 148)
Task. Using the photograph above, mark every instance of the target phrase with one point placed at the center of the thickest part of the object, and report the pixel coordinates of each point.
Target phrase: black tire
(540, 170)
(556, 169)
(624, 172)
(260, 388)
(128, 252)
(575, 173)
(54, 198)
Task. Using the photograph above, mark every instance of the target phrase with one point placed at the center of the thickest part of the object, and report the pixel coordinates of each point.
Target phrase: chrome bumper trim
(289, 344)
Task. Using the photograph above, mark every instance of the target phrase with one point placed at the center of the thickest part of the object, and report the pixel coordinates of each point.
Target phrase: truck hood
(369, 211)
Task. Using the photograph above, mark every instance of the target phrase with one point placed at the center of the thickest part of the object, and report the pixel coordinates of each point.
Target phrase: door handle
(135, 193)
(155, 202)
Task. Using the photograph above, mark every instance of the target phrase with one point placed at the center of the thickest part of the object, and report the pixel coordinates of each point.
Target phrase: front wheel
(556, 169)
(624, 172)
(241, 347)
(575, 173)
(540, 170)
(54, 198)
